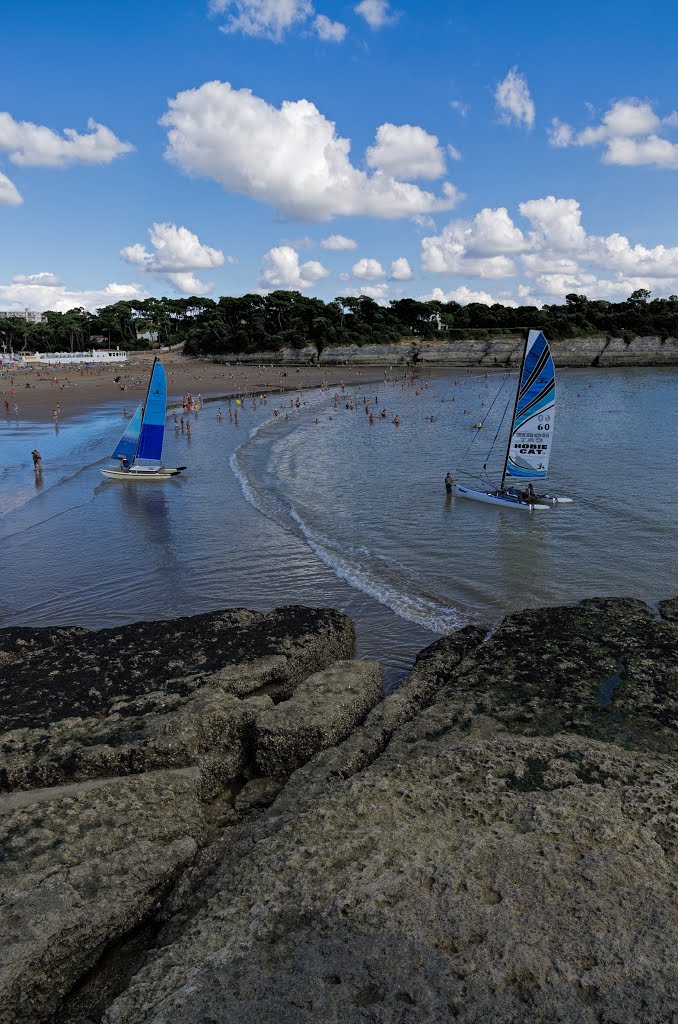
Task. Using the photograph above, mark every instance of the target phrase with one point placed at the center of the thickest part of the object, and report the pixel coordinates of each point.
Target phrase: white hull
(164, 473)
(504, 500)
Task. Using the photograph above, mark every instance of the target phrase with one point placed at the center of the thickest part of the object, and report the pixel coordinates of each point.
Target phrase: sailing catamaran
(530, 436)
(139, 450)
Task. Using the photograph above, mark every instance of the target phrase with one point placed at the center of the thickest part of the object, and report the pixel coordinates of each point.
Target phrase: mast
(143, 409)
(515, 406)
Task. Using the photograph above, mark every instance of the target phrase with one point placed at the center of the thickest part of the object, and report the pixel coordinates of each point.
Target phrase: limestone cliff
(499, 351)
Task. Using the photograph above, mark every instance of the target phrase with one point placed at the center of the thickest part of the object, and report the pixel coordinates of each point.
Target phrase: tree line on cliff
(288, 319)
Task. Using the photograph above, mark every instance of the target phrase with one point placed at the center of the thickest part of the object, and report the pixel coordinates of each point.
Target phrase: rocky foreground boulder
(123, 752)
(496, 841)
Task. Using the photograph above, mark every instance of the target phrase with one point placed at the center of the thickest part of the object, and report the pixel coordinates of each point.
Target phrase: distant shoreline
(79, 394)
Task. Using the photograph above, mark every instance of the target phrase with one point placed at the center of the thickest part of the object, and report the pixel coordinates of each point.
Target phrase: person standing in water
(37, 460)
(449, 483)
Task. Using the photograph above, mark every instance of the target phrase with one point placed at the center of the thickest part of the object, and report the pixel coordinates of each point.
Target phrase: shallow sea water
(325, 509)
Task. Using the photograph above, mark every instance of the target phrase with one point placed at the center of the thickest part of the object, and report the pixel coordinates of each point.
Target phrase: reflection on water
(353, 515)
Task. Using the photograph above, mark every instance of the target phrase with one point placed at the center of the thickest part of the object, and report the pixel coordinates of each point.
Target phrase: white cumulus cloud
(176, 253)
(34, 145)
(401, 269)
(269, 19)
(44, 291)
(651, 151)
(338, 242)
(378, 292)
(329, 31)
(9, 193)
(557, 223)
(406, 151)
(629, 133)
(281, 269)
(476, 248)
(290, 157)
(377, 13)
(513, 100)
(562, 257)
(368, 269)
(463, 295)
(549, 256)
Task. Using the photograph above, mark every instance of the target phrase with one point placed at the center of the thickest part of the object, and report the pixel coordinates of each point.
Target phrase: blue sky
(484, 151)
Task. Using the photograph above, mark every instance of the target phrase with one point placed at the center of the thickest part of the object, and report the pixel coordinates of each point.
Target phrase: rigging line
(473, 439)
(494, 439)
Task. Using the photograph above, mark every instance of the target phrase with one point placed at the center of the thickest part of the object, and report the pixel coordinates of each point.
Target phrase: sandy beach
(36, 390)
(33, 392)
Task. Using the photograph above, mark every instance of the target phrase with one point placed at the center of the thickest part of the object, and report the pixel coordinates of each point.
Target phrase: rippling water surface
(326, 509)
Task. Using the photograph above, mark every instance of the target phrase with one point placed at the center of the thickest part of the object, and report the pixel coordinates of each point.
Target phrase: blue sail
(149, 452)
(532, 427)
(127, 445)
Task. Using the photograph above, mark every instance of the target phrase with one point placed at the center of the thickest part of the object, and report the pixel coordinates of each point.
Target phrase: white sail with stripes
(532, 428)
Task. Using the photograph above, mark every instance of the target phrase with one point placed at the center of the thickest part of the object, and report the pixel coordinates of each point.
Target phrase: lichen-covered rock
(153, 695)
(258, 793)
(323, 711)
(80, 866)
(120, 755)
(508, 878)
(208, 728)
(19, 642)
(669, 609)
(83, 677)
(500, 844)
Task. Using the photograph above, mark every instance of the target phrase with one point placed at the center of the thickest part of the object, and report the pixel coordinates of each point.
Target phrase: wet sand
(78, 389)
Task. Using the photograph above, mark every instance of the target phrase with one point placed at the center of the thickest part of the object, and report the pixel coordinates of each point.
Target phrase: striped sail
(127, 445)
(532, 428)
(149, 452)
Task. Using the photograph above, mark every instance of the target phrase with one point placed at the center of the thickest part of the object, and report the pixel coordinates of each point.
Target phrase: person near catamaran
(530, 434)
(528, 494)
(139, 450)
(449, 483)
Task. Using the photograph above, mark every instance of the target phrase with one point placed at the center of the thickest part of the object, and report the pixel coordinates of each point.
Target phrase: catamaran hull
(504, 500)
(554, 499)
(130, 474)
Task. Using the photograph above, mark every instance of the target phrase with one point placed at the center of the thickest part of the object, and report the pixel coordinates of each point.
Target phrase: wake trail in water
(355, 564)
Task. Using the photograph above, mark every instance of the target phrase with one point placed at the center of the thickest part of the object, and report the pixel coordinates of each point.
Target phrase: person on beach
(37, 460)
(449, 483)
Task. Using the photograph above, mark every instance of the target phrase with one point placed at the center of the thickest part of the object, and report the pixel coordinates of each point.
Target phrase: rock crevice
(496, 840)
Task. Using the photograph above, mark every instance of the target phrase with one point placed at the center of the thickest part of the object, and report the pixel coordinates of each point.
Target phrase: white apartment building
(31, 315)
